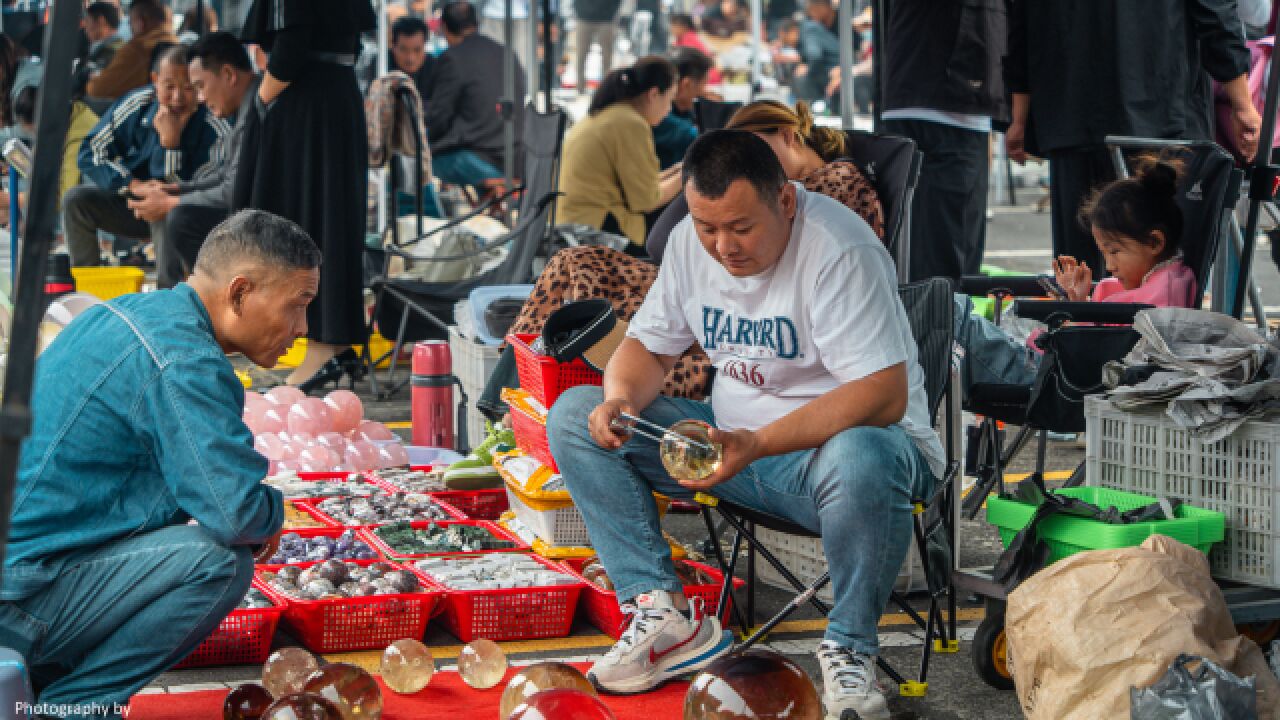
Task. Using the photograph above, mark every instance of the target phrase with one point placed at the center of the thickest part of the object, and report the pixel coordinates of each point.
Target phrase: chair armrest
(1084, 312)
(1016, 285)
(454, 222)
(519, 229)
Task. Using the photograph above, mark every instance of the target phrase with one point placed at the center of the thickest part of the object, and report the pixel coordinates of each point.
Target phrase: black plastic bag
(1208, 693)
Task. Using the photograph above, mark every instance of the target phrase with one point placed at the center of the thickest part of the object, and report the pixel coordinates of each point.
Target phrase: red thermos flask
(432, 403)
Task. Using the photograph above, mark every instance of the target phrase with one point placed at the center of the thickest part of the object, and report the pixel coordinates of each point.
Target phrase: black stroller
(1081, 338)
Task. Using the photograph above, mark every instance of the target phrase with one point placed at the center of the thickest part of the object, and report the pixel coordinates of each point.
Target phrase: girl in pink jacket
(1138, 228)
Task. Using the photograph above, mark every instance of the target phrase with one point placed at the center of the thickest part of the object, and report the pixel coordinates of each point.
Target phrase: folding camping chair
(891, 164)
(1206, 195)
(929, 311)
(420, 310)
(712, 114)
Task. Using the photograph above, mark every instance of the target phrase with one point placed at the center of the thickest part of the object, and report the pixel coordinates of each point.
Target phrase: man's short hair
(106, 12)
(692, 63)
(218, 49)
(152, 10)
(719, 158)
(408, 26)
(175, 53)
(459, 17)
(261, 238)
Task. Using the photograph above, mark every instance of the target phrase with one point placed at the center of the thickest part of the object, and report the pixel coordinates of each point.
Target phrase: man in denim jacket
(138, 431)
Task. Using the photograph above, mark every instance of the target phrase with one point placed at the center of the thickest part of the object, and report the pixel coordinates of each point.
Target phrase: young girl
(1137, 226)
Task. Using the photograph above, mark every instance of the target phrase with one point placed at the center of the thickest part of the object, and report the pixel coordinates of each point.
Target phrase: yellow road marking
(399, 425)
(370, 660)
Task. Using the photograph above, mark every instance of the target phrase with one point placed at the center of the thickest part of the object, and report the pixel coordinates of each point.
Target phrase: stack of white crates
(473, 363)
(1147, 453)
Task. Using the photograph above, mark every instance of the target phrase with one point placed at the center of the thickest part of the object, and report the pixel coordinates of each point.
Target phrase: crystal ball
(345, 409)
(247, 702)
(354, 691)
(392, 455)
(407, 666)
(754, 683)
(562, 704)
(538, 678)
(684, 460)
(302, 706)
(361, 456)
(309, 416)
(371, 431)
(285, 395)
(482, 664)
(287, 670)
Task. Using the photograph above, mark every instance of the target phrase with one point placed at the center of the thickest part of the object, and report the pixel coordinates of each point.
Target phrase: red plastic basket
(312, 507)
(602, 610)
(472, 504)
(332, 532)
(361, 623)
(242, 638)
(493, 528)
(511, 613)
(545, 377)
(531, 437)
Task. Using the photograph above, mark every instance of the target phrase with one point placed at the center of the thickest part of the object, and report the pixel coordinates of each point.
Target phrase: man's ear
(787, 200)
(238, 293)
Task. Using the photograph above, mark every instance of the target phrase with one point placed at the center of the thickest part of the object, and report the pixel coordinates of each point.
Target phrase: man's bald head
(256, 274)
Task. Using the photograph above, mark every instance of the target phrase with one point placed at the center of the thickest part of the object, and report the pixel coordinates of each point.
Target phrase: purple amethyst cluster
(297, 549)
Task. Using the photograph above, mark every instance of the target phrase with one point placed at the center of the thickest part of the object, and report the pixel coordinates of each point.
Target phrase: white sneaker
(661, 643)
(849, 684)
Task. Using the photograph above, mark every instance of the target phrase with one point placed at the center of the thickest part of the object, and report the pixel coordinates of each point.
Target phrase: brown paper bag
(1084, 630)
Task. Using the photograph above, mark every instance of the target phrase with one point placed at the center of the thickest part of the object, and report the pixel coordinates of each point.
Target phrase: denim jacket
(137, 426)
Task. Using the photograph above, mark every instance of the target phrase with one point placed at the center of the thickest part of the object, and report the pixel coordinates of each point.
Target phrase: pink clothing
(690, 39)
(1169, 284)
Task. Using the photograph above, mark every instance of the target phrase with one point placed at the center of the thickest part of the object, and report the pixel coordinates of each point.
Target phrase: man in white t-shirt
(819, 401)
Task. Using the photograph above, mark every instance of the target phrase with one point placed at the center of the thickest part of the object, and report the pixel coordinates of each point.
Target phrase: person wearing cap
(818, 403)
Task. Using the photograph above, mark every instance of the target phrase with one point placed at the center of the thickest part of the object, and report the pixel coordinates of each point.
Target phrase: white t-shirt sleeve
(660, 324)
(857, 323)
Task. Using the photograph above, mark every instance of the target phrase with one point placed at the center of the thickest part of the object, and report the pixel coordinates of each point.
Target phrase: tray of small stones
(503, 596)
(411, 540)
(311, 485)
(381, 508)
(336, 606)
(316, 544)
(475, 504)
(244, 635)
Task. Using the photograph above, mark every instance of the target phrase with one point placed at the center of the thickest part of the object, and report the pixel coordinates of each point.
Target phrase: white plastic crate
(803, 556)
(1149, 454)
(473, 363)
(559, 527)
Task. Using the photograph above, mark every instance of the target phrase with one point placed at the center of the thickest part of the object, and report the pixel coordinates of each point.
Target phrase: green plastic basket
(1067, 535)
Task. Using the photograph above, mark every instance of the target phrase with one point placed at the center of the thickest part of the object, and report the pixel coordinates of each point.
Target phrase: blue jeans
(463, 167)
(991, 355)
(856, 490)
(125, 612)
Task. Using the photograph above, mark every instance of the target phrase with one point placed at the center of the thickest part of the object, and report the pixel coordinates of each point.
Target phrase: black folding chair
(712, 114)
(1207, 193)
(929, 311)
(421, 310)
(891, 164)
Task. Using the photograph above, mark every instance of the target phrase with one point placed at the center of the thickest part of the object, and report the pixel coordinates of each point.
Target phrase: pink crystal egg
(309, 416)
(253, 399)
(361, 456)
(270, 419)
(392, 455)
(285, 395)
(371, 431)
(269, 445)
(332, 440)
(318, 459)
(346, 410)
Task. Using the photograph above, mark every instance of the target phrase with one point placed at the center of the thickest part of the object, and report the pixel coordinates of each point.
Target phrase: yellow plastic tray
(547, 500)
(542, 549)
(378, 346)
(108, 282)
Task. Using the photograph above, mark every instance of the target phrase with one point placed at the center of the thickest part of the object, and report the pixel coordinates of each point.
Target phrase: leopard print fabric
(583, 273)
(844, 182)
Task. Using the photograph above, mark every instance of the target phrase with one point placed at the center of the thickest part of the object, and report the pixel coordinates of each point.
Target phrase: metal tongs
(633, 424)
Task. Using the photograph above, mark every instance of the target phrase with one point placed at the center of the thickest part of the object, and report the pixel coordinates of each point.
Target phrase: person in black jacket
(1080, 71)
(409, 54)
(464, 123)
(942, 88)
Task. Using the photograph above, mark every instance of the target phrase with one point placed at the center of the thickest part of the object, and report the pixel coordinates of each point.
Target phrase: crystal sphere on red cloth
(247, 702)
(302, 706)
(354, 691)
(754, 683)
(562, 704)
(346, 409)
(538, 678)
